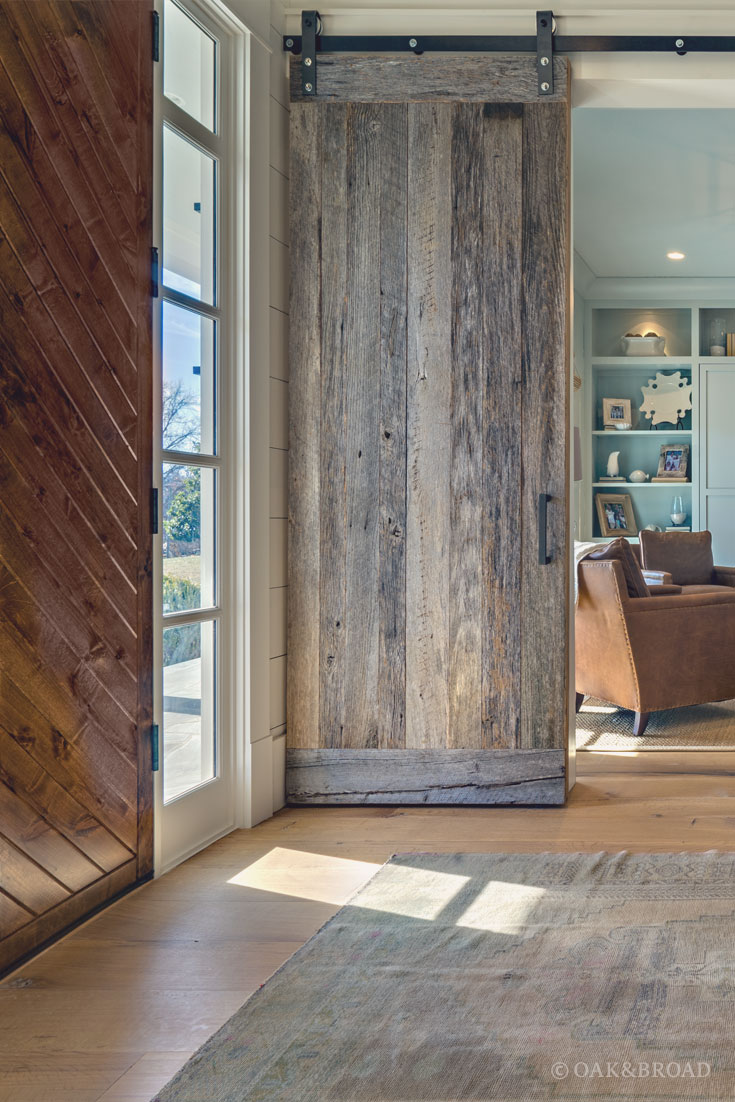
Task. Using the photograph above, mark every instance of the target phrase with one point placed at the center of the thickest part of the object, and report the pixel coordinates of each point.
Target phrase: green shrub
(181, 643)
(180, 594)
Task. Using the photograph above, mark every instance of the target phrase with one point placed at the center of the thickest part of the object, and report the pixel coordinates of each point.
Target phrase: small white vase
(613, 467)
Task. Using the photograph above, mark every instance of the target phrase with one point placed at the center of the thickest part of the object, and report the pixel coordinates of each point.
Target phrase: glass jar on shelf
(718, 337)
(678, 514)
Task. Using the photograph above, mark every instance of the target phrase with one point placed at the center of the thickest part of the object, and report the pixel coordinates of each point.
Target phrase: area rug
(602, 726)
(504, 977)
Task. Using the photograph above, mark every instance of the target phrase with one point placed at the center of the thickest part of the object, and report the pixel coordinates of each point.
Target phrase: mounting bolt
(413, 43)
(308, 87)
(679, 43)
(307, 61)
(545, 87)
(289, 43)
(544, 61)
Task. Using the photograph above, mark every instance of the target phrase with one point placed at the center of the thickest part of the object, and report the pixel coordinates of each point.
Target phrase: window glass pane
(188, 381)
(189, 741)
(188, 65)
(188, 537)
(188, 217)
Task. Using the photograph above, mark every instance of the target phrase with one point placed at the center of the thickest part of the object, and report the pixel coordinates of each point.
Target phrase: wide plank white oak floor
(113, 1010)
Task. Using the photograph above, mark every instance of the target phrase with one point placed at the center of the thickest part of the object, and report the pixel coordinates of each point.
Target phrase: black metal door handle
(544, 557)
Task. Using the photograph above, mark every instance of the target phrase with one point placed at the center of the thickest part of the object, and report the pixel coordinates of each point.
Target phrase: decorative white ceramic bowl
(643, 346)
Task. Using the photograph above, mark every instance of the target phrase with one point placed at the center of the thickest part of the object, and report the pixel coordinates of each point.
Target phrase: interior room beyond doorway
(654, 407)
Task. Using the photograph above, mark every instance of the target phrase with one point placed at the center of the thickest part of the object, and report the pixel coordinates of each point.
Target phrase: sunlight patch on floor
(617, 753)
(314, 876)
(413, 892)
(502, 907)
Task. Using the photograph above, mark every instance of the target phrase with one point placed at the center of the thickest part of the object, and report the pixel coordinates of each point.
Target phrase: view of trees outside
(181, 519)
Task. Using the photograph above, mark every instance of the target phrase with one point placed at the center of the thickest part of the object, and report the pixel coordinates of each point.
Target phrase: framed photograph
(673, 461)
(615, 513)
(616, 411)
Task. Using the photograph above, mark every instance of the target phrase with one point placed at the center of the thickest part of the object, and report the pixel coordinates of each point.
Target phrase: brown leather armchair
(649, 653)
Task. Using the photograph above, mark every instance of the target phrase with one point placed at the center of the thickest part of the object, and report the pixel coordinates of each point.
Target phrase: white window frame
(231, 145)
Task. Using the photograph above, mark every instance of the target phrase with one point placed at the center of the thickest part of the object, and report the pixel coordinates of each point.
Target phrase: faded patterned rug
(508, 977)
(603, 726)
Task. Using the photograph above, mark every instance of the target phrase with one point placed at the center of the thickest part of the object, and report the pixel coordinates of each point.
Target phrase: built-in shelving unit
(609, 373)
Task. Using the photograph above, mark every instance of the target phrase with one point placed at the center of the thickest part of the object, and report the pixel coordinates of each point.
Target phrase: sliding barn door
(75, 461)
(427, 646)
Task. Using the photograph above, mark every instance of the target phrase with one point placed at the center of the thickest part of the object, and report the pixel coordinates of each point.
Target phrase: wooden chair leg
(641, 722)
(578, 701)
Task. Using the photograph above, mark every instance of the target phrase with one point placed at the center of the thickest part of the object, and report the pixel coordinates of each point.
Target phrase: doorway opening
(653, 408)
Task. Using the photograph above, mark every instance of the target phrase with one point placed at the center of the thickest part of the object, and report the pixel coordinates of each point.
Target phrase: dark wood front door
(75, 461)
(428, 655)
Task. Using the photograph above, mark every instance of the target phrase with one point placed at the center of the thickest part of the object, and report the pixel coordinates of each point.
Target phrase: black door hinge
(155, 760)
(154, 272)
(545, 52)
(156, 36)
(309, 25)
(154, 511)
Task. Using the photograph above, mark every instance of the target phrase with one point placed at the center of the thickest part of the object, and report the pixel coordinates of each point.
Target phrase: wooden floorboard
(113, 1010)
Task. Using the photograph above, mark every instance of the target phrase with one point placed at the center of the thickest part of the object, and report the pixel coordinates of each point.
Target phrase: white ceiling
(650, 181)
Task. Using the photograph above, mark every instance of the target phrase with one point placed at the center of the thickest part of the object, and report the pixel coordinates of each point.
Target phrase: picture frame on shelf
(616, 411)
(615, 514)
(673, 463)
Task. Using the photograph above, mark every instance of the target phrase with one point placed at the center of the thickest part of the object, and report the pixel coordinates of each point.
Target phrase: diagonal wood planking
(75, 461)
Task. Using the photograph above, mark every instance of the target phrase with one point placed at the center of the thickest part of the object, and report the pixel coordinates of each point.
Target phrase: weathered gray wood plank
(332, 243)
(425, 776)
(362, 424)
(466, 504)
(398, 78)
(501, 320)
(393, 167)
(437, 629)
(428, 415)
(302, 705)
(545, 413)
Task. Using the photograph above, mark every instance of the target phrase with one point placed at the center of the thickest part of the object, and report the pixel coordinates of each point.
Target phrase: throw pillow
(620, 550)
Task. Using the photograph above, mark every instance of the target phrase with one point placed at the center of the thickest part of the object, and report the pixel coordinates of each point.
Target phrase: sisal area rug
(602, 726)
(505, 977)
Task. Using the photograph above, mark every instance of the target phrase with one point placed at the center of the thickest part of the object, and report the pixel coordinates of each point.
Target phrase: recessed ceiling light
(676, 256)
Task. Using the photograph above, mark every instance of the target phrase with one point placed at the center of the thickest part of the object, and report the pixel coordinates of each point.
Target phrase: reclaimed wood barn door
(75, 461)
(428, 654)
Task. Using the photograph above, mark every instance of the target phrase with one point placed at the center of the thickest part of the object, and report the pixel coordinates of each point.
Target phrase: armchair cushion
(619, 550)
(687, 556)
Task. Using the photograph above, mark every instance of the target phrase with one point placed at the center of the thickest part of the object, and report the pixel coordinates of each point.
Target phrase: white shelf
(645, 361)
(640, 485)
(653, 433)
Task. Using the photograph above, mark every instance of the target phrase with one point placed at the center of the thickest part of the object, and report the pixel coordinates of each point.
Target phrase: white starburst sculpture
(666, 398)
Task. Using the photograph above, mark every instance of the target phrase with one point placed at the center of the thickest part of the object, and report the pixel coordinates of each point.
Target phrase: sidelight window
(193, 358)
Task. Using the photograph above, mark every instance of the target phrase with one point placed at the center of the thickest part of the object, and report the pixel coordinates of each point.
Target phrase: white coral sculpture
(666, 398)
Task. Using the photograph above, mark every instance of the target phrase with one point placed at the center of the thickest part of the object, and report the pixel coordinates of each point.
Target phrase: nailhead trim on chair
(611, 566)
